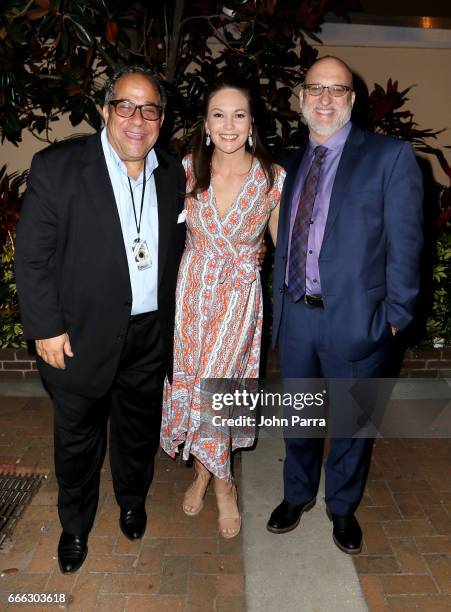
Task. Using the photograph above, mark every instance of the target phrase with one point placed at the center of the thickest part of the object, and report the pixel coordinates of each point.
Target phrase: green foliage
(10, 326)
(56, 54)
(438, 326)
(11, 197)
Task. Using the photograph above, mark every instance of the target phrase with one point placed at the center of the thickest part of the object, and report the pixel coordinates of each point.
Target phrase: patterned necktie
(299, 237)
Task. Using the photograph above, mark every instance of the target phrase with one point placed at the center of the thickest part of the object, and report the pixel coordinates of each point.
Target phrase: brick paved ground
(183, 565)
(405, 564)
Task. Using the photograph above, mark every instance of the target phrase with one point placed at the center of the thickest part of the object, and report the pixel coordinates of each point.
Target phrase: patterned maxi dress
(218, 313)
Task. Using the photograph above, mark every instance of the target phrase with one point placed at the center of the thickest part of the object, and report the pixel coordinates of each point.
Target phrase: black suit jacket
(71, 266)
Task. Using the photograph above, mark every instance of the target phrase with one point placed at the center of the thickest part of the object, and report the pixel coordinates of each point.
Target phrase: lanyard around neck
(138, 224)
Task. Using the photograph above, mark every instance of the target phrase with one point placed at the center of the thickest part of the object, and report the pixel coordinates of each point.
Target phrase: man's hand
(261, 255)
(52, 350)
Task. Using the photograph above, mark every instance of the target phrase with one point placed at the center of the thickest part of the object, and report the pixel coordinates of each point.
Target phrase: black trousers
(133, 406)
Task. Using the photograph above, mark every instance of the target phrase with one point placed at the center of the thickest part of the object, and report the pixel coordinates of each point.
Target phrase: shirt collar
(336, 141)
(151, 160)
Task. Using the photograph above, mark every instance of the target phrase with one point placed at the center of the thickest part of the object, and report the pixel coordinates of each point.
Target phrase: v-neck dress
(219, 314)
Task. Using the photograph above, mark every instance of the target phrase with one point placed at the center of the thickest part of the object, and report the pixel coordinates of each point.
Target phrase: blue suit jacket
(369, 260)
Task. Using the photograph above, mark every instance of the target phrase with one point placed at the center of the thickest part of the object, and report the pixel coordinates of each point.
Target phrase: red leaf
(35, 14)
(44, 4)
(443, 219)
(74, 90)
(111, 32)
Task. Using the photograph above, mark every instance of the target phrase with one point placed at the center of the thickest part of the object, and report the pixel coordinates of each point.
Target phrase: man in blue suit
(345, 281)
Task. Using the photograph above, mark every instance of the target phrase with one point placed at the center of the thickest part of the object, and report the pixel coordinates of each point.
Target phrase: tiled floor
(183, 565)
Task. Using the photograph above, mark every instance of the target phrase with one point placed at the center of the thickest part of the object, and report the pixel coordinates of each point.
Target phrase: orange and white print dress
(219, 314)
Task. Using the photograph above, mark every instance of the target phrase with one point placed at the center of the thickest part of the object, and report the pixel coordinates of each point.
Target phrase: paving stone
(375, 539)
(407, 584)
(409, 558)
(375, 514)
(109, 563)
(202, 589)
(413, 527)
(174, 577)
(192, 546)
(434, 544)
(151, 556)
(230, 585)
(154, 603)
(379, 493)
(374, 564)
(409, 505)
(230, 604)
(217, 564)
(127, 583)
(440, 567)
(111, 603)
(85, 592)
(419, 603)
(374, 593)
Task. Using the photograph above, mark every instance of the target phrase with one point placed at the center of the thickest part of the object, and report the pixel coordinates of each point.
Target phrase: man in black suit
(98, 249)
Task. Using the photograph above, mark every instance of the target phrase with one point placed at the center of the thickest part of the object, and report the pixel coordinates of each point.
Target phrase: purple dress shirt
(334, 146)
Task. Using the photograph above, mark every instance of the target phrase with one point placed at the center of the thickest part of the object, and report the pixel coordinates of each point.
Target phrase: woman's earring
(208, 140)
(250, 140)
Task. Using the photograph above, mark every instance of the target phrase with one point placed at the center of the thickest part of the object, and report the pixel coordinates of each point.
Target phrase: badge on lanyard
(140, 250)
(141, 254)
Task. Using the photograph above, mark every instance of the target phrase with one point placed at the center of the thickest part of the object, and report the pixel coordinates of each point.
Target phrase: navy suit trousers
(306, 352)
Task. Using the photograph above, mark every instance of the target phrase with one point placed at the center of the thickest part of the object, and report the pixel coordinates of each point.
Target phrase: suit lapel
(165, 189)
(98, 185)
(345, 169)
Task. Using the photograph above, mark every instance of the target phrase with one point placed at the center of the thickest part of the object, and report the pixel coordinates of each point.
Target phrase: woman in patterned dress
(233, 193)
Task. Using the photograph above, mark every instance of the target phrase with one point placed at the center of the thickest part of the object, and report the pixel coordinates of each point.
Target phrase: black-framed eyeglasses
(127, 108)
(316, 89)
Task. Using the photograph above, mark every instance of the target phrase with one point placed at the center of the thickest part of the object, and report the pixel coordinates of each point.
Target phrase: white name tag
(141, 254)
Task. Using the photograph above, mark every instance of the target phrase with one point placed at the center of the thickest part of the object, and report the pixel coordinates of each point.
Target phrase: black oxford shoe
(286, 516)
(72, 551)
(347, 534)
(133, 523)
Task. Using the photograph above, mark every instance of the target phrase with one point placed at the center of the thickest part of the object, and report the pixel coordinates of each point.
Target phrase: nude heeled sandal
(230, 530)
(193, 502)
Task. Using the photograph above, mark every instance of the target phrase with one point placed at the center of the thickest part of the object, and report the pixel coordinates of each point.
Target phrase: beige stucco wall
(430, 100)
(19, 158)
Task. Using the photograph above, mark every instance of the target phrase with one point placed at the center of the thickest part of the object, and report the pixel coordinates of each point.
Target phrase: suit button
(283, 258)
(280, 290)
(120, 336)
(127, 303)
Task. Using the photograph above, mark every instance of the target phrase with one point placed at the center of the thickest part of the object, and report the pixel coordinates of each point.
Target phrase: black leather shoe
(72, 551)
(347, 534)
(133, 523)
(286, 516)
